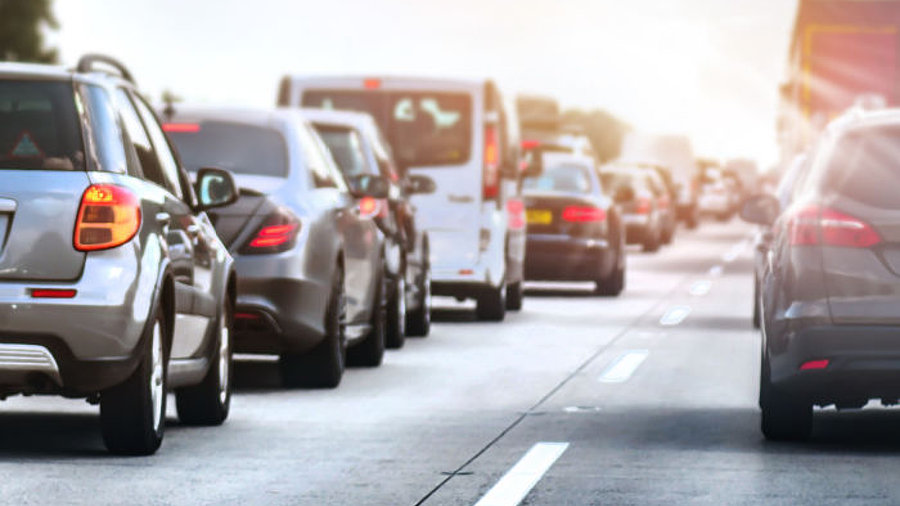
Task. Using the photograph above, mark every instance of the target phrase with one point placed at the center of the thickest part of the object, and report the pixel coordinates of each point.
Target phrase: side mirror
(623, 195)
(215, 188)
(419, 184)
(368, 185)
(761, 210)
(532, 163)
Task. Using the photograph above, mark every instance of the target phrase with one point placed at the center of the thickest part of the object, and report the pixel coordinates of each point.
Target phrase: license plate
(539, 217)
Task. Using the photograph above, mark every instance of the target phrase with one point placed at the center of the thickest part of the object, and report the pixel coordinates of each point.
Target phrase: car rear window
(864, 166)
(423, 128)
(39, 126)
(346, 149)
(237, 147)
(560, 178)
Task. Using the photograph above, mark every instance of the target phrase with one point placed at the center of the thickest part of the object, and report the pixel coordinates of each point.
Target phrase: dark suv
(830, 287)
(113, 283)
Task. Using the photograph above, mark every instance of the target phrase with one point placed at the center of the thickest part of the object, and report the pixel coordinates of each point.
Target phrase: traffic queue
(141, 247)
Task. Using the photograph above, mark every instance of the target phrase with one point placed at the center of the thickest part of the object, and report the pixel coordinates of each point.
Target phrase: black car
(831, 285)
(575, 232)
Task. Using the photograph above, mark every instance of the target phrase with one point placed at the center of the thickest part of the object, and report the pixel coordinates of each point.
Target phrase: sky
(706, 68)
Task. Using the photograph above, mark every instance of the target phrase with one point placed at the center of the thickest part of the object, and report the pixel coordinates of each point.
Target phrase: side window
(105, 132)
(140, 141)
(164, 157)
(320, 164)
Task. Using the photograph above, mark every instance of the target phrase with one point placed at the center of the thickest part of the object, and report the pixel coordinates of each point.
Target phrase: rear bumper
(277, 309)
(863, 363)
(564, 258)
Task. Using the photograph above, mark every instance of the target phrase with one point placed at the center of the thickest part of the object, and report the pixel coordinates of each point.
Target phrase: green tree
(22, 24)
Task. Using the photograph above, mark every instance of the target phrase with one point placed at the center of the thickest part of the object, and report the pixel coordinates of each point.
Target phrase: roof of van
(267, 116)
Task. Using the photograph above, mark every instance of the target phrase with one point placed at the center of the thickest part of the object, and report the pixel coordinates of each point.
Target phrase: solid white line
(522, 477)
(700, 287)
(623, 367)
(675, 315)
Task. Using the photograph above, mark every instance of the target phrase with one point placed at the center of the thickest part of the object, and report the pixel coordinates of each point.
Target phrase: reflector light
(466, 272)
(814, 364)
(51, 293)
(372, 84)
(190, 128)
(109, 216)
(530, 144)
(583, 214)
(246, 316)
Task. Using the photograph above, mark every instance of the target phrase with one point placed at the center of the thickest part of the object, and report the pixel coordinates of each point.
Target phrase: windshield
(346, 149)
(560, 178)
(239, 148)
(39, 126)
(423, 128)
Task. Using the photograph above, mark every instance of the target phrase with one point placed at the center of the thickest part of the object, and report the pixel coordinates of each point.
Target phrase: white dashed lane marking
(700, 287)
(675, 315)
(624, 367)
(522, 477)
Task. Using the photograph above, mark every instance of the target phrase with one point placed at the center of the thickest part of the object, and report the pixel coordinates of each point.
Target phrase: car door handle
(460, 199)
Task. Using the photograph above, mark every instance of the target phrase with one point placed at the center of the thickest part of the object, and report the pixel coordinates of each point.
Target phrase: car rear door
(42, 179)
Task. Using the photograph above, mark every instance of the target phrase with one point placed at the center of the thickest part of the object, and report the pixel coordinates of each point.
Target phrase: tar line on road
(622, 333)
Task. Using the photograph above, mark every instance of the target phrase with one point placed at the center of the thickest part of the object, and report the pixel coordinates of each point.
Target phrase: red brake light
(530, 144)
(583, 214)
(372, 84)
(52, 293)
(814, 364)
(515, 210)
(109, 216)
(190, 128)
(643, 205)
(813, 225)
(370, 207)
(491, 177)
(277, 234)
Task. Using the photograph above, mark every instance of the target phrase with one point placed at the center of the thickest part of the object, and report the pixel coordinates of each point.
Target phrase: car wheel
(132, 414)
(651, 241)
(418, 321)
(323, 367)
(613, 284)
(396, 314)
(370, 352)
(515, 293)
(208, 402)
(491, 305)
(693, 218)
(784, 417)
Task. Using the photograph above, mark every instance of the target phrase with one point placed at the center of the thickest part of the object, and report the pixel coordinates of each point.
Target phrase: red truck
(843, 53)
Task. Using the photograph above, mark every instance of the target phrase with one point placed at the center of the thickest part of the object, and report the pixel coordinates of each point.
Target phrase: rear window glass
(423, 128)
(39, 126)
(864, 166)
(239, 148)
(616, 179)
(346, 149)
(560, 178)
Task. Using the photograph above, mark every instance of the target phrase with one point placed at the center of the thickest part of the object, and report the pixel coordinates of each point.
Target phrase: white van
(463, 136)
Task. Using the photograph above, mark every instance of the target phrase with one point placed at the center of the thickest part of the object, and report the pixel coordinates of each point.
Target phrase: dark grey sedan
(113, 283)
(830, 290)
(310, 265)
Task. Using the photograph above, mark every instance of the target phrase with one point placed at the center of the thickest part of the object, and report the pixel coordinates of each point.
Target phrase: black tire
(395, 336)
(323, 367)
(491, 305)
(418, 320)
(784, 417)
(370, 352)
(693, 218)
(668, 235)
(651, 241)
(208, 403)
(515, 293)
(133, 413)
(614, 283)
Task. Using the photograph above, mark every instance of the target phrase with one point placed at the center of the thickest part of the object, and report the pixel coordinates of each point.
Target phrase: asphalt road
(649, 398)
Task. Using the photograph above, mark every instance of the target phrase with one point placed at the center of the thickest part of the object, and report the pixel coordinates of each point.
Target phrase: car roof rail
(86, 64)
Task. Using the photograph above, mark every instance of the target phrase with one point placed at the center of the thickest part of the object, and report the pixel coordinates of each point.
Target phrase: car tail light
(187, 128)
(643, 205)
(370, 207)
(583, 214)
(814, 364)
(813, 225)
(529, 144)
(515, 210)
(278, 233)
(109, 216)
(491, 177)
(372, 83)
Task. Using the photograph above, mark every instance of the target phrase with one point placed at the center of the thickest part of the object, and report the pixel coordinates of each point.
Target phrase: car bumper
(863, 363)
(277, 309)
(564, 258)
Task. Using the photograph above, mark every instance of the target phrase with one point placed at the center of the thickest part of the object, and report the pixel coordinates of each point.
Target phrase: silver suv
(113, 283)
